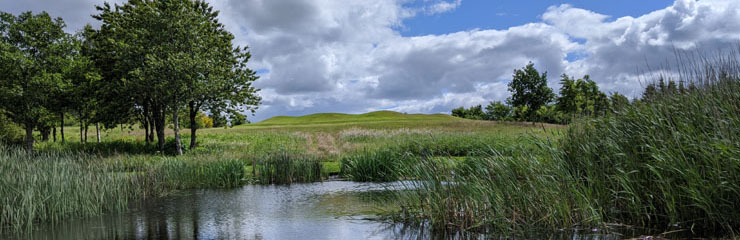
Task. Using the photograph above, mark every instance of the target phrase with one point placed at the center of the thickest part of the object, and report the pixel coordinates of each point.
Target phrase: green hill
(331, 118)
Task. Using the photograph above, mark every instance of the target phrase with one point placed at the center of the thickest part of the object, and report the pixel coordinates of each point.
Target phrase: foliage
(581, 98)
(529, 88)
(32, 49)
(10, 133)
(169, 55)
(498, 111)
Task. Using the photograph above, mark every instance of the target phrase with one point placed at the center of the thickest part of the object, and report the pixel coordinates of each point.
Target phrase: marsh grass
(286, 168)
(373, 166)
(57, 185)
(669, 164)
(672, 161)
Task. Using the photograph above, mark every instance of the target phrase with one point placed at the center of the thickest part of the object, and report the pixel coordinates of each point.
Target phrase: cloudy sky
(429, 56)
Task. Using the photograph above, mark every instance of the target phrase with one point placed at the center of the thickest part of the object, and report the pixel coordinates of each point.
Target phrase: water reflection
(300, 211)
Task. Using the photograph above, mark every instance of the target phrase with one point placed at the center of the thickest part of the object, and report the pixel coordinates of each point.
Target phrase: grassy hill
(336, 118)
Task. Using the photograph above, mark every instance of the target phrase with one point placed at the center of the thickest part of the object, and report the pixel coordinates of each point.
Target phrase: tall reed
(670, 163)
(51, 186)
(373, 166)
(285, 168)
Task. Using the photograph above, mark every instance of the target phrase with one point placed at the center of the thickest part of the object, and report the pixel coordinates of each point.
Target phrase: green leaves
(34, 50)
(529, 88)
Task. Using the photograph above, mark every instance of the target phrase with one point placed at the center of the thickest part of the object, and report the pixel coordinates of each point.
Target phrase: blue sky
(430, 56)
(502, 14)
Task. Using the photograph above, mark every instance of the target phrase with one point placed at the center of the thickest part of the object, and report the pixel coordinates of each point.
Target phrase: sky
(429, 56)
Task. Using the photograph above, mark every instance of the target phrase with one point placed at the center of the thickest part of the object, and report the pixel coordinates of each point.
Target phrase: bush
(10, 132)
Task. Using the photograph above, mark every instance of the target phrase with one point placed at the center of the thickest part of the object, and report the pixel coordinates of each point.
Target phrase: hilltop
(322, 118)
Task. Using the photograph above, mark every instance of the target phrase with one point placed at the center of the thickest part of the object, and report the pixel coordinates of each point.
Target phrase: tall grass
(674, 160)
(373, 166)
(285, 168)
(189, 174)
(56, 185)
(50, 186)
(671, 163)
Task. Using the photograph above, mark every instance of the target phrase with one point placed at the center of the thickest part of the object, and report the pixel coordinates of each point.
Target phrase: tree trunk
(176, 128)
(61, 126)
(159, 124)
(54, 133)
(86, 125)
(151, 129)
(45, 131)
(29, 137)
(82, 131)
(97, 131)
(146, 130)
(193, 125)
(145, 122)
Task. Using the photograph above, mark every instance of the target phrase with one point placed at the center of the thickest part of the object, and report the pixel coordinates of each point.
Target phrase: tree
(569, 94)
(475, 112)
(529, 88)
(31, 48)
(236, 118)
(168, 55)
(459, 112)
(498, 111)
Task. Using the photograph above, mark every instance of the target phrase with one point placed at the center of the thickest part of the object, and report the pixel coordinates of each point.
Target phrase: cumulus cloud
(348, 56)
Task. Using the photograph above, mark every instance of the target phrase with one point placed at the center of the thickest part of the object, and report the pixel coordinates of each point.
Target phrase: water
(328, 210)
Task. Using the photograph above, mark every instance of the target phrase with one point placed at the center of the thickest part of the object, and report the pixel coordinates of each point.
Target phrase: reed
(56, 185)
(373, 166)
(672, 163)
(286, 168)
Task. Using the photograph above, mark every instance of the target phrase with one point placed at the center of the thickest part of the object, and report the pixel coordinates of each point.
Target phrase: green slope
(322, 118)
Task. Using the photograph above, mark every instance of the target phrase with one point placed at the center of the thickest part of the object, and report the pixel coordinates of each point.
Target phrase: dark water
(329, 210)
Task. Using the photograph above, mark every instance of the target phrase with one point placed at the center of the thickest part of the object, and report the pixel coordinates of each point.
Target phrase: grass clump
(285, 168)
(373, 166)
(56, 185)
(494, 192)
(189, 174)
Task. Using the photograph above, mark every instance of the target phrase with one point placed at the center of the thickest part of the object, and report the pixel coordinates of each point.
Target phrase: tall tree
(529, 88)
(567, 102)
(30, 50)
(168, 55)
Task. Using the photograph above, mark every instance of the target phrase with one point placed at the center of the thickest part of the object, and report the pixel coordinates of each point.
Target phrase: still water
(328, 210)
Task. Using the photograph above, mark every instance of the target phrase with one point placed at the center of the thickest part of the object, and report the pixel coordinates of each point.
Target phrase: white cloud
(347, 56)
(442, 7)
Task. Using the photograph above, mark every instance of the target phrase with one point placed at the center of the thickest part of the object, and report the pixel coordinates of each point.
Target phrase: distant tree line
(533, 101)
(151, 63)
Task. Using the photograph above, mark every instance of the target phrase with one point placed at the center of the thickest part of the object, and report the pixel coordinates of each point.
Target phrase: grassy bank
(671, 164)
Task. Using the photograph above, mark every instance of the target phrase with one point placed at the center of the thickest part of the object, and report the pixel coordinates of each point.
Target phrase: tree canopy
(529, 88)
(146, 64)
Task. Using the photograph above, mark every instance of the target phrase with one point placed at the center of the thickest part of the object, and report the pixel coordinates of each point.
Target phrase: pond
(328, 210)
